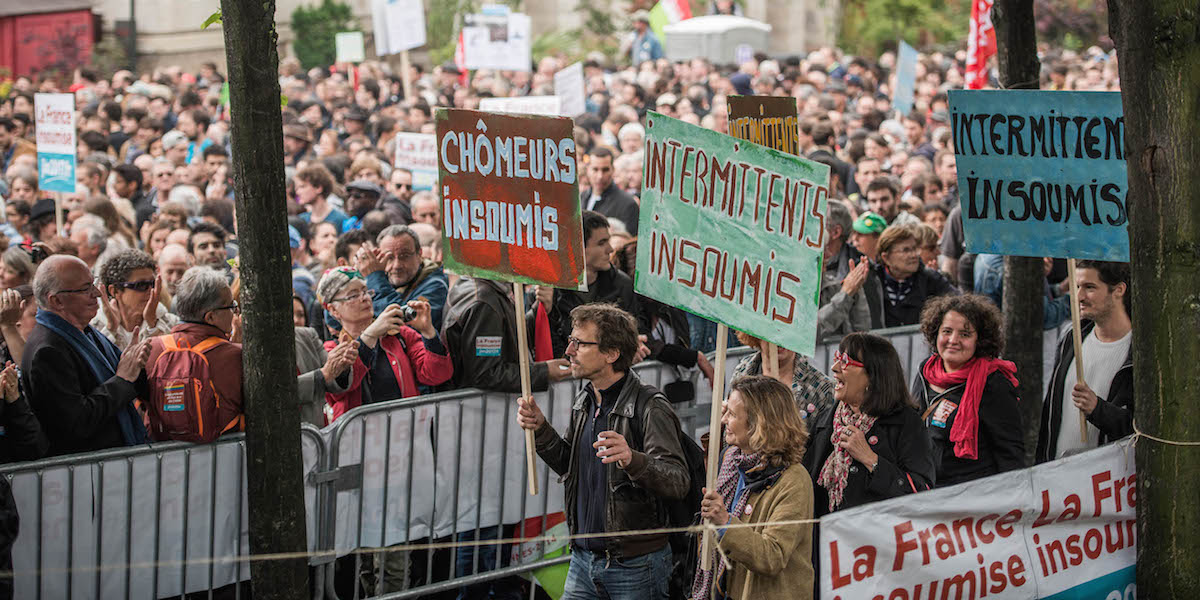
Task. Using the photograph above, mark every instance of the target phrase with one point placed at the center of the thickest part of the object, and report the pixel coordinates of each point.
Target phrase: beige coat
(773, 562)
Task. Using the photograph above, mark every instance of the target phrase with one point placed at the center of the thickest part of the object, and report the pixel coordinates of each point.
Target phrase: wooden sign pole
(714, 435)
(1078, 340)
(770, 361)
(405, 80)
(523, 352)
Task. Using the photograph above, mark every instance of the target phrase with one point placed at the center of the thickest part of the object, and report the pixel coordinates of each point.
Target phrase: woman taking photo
(394, 356)
(966, 394)
(761, 480)
(872, 445)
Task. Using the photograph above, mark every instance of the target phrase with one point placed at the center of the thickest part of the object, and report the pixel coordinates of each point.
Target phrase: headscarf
(334, 280)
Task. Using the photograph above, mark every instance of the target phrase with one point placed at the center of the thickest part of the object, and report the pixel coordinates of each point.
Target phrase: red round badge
(873, 440)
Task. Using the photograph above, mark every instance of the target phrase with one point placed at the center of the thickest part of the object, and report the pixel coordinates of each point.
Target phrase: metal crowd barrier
(166, 519)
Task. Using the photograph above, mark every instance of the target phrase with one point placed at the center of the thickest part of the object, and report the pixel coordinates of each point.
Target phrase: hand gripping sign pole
(1078, 341)
(526, 391)
(714, 435)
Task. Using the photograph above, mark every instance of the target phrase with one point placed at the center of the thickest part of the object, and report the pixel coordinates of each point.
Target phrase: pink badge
(811, 407)
(749, 509)
(873, 440)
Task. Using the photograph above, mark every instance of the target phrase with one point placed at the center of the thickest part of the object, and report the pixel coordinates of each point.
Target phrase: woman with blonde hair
(762, 490)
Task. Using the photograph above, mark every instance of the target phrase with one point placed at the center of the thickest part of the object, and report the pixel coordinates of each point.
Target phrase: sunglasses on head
(842, 357)
(138, 286)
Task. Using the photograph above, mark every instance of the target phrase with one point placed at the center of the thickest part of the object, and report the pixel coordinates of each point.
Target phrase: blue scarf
(101, 356)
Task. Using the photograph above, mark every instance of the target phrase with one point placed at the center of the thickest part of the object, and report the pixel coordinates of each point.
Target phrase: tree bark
(1160, 73)
(274, 470)
(1024, 278)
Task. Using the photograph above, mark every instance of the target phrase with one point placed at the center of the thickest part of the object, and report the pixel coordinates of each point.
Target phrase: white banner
(399, 25)
(497, 41)
(417, 152)
(54, 118)
(1064, 529)
(550, 106)
(568, 85)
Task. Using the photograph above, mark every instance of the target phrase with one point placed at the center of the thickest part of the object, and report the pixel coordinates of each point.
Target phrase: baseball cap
(869, 222)
(293, 237)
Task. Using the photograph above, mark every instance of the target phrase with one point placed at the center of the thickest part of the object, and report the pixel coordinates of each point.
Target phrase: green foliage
(441, 27)
(213, 18)
(1072, 24)
(870, 26)
(315, 28)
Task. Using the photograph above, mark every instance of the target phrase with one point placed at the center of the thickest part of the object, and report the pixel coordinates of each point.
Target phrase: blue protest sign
(906, 78)
(1041, 173)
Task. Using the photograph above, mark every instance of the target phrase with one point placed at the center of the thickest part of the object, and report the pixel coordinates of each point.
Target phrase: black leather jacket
(634, 497)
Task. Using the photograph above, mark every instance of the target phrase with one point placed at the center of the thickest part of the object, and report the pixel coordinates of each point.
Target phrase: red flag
(460, 60)
(981, 44)
(543, 348)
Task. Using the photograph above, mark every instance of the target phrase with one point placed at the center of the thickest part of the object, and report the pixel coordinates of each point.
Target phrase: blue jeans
(593, 576)
(704, 333)
(505, 588)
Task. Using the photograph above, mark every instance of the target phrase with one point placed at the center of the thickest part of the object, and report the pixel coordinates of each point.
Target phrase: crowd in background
(142, 277)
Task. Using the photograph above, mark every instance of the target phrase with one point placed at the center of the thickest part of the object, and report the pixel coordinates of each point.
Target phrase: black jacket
(1001, 440)
(22, 438)
(634, 496)
(905, 462)
(481, 315)
(612, 286)
(77, 412)
(1113, 415)
(617, 204)
(927, 284)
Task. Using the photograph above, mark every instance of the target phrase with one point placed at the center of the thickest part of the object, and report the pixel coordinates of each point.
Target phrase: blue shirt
(335, 216)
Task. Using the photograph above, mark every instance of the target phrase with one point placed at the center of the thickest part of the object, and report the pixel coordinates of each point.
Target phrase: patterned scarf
(895, 289)
(734, 463)
(837, 467)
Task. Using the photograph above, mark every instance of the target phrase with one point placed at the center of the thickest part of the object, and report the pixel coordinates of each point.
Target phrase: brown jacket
(773, 562)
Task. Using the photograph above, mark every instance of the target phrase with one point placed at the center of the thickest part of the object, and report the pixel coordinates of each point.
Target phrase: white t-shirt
(1101, 361)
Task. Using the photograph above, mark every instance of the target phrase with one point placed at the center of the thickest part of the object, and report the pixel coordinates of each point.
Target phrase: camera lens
(408, 313)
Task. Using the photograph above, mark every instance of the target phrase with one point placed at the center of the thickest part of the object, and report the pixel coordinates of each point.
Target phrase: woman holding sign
(761, 480)
(966, 393)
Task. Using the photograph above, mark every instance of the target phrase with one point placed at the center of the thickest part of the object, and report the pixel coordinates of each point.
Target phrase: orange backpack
(184, 405)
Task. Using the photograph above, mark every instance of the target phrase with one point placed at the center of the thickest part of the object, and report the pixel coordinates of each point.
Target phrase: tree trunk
(1024, 278)
(1160, 73)
(274, 471)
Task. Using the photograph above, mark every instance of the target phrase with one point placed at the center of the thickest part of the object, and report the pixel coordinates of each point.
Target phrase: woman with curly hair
(966, 393)
(761, 481)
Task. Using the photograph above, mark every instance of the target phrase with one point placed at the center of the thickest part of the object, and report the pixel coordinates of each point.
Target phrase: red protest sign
(510, 197)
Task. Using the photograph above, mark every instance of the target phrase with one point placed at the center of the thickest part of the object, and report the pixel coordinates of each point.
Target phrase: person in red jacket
(394, 356)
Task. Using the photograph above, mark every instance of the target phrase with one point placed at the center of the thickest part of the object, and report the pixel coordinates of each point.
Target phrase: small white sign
(349, 45)
(417, 152)
(54, 116)
(528, 105)
(497, 41)
(399, 25)
(568, 85)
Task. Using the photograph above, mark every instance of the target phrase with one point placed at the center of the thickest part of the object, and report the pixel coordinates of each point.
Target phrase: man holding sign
(622, 460)
(1106, 393)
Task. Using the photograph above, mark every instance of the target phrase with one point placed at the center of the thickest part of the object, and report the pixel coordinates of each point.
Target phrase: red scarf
(965, 432)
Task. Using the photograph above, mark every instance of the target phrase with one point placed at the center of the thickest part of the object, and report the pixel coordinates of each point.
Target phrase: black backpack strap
(639, 415)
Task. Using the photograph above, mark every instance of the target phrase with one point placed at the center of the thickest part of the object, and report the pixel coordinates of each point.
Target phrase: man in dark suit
(606, 198)
(81, 387)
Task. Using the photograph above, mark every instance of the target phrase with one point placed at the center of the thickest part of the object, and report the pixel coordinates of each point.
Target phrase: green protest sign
(510, 197)
(732, 231)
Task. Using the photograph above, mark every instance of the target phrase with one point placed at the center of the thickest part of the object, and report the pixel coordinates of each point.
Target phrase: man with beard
(1106, 392)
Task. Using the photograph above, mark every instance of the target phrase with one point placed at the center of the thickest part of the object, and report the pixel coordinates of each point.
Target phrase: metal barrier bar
(438, 429)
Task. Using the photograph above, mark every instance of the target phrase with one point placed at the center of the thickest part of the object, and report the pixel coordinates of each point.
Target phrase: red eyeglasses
(842, 357)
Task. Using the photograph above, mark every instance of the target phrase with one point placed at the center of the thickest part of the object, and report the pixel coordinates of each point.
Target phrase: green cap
(869, 222)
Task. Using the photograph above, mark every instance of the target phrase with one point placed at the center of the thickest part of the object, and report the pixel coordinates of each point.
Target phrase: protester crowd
(124, 325)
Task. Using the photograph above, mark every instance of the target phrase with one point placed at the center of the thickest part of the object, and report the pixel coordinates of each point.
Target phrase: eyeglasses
(574, 341)
(237, 310)
(842, 357)
(355, 296)
(89, 288)
(138, 286)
